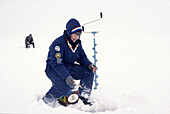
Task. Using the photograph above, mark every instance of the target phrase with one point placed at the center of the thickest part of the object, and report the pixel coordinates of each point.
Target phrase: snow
(133, 54)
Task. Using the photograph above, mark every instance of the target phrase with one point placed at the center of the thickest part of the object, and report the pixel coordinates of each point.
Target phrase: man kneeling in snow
(61, 70)
(29, 41)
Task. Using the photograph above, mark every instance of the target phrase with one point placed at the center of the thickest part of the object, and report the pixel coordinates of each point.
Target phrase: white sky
(42, 17)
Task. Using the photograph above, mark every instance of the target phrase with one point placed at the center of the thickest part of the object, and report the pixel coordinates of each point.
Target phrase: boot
(49, 102)
(85, 101)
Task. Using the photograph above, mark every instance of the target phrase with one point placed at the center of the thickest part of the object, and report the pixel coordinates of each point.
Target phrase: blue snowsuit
(61, 64)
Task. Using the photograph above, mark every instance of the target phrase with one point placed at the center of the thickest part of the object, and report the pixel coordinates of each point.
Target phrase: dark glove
(90, 67)
(69, 81)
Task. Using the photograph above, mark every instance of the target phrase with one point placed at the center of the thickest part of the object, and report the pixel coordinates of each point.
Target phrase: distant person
(29, 41)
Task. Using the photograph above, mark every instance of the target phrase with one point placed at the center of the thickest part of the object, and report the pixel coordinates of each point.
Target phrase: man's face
(75, 37)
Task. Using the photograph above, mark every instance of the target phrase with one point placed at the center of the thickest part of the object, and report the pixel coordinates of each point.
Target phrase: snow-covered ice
(133, 54)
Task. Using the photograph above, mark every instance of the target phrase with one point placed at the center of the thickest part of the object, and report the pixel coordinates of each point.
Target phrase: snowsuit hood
(73, 26)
